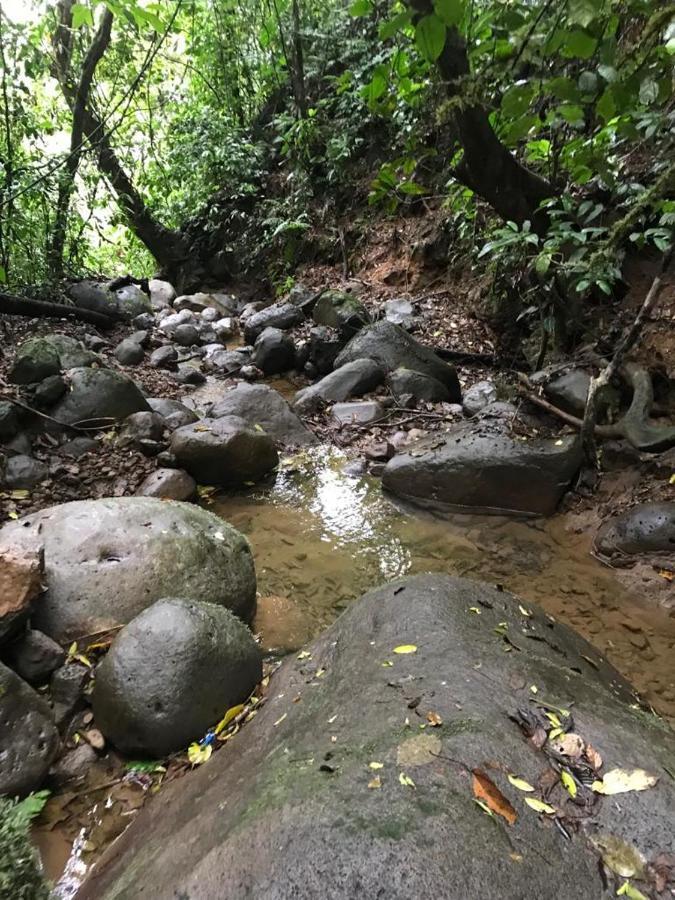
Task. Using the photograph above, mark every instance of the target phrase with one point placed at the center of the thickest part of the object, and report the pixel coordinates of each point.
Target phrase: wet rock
(35, 359)
(99, 393)
(225, 329)
(207, 336)
(129, 352)
(274, 352)
(279, 315)
(224, 451)
(341, 311)
(473, 467)
(162, 294)
(9, 421)
(173, 412)
(186, 335)
(283, 783)
(404, 381)
(165, 357)
(145, 322)
(478, 396)
(66, 690)
(21, 567)
(391, 347)
(78, 447)
(171, 674)
(132, 301)
(250, 308)
(189, 375)
(24, 472)
(569, 391)
(350, 380)
(73, 767)
(167, 460)
(227, 362)
(360, 412)
(28, 738)
(144, 431)
(399, 311)
(169, 484)
(324, 347)
(261, 405)
(106, 560)
(34, 656)
(49, 391)
(646, 528)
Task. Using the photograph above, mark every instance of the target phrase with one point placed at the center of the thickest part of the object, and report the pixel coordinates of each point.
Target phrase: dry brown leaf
(486, 790)
(570, 744)
(593, 757)
(434, 719)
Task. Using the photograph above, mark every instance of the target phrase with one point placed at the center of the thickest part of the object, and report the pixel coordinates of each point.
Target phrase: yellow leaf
(539, 805)
(405, 648)
(376, 782)
(627, 890)
(13, 514)
(553, 719)
(475, 609)
(525, 612)
(280, 720)
(376, 765)
(534, 689)
(232, 713)
(72, 650)
(387, 663)
(405, 780)
(19, 495)
(672, 479)
(569, 782)
(304, 654)
(620, 781)
(554, 733)
(520, 784)
(80, 657)
(486, 809)
(198, 755)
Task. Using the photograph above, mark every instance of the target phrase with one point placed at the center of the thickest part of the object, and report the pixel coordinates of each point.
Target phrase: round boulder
(171, 674)
(224, 451)
(107, 560)
(645, 528)
(169, 484)
(96, 394)
(274, 352)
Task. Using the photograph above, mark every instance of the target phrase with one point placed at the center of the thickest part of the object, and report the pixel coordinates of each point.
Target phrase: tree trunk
(488, 168)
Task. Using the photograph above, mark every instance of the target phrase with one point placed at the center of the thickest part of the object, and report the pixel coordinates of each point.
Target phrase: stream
(322, 536)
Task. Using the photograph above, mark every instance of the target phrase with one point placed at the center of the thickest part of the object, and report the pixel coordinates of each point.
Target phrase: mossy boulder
(341, 311)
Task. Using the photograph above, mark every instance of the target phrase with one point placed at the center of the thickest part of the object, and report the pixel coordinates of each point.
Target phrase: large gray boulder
(262, 406)
(404, 381)
(391, 347)
(341, 311)
(132, 301)
(28, 736)
(171, 674)
(99, 394)
(280, 315)
(162, 293)
(43, 357)
(107, 560)
(350, 380)
(292, 806)
(484, 469)
(274, 352)
(126, 302)
(224, 451)
(645, 528)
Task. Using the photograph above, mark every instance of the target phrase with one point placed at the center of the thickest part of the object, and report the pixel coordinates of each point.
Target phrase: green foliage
(20, 872)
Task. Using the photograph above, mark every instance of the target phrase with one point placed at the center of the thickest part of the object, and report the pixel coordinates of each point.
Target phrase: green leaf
(430, 37)
(3, 275)
(649, 91)
(32, 805)
(563, 89)
(571, 113)
(360, 8)
(81, 15)
(517, 99)
(605, 106)
(627, 890)
(389, 28)
(412, 188)
(582, 12)
(579, 44)
(450, 11)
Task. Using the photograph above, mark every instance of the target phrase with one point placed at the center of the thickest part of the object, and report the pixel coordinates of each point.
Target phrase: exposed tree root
(23, 306)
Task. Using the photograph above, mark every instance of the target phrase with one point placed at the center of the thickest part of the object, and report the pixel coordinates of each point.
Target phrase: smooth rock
(162, 294)
(224, 451)
(99, 394)
(261, 405)
(282, 811)
(165, 357)
(194, 302)
(173, 412)
(144, 431)
(24, 472)
(274, 352)
(225, 329)
(645, 528)
(141, 337)
(350, 380)
(391, 347)
(73, 766)
(279, 315)
(21, 568)
(170, 323)
(341, 311)
(28, 737)
(171, 674)
(186, 335)
(94, 296)
(129, 352)
(478, 396)
(66, 690)
(569, 391)
(78, 446)
(404, 381)
(169, 484)
(132, 301)
(107, 560)
(476, 468)
(209, 314)
(49, 391)
(34, 656)
(360, 412)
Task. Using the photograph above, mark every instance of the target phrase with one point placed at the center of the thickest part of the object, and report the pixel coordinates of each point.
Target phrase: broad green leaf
(389, 28)
(430, 37)
(563, 89)
(360, 8)
(81, 15)
(605, 106)
(627, 890)
(582, 12)
(579, 44)
(450, 11)
(3, 275)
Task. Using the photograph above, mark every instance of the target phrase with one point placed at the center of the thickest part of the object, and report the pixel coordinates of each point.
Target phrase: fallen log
(12, 305)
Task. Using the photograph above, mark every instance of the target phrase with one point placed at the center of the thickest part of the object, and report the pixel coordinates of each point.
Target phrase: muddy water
(322, 537)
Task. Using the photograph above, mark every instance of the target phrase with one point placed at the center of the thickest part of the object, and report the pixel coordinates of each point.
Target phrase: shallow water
(321, 538)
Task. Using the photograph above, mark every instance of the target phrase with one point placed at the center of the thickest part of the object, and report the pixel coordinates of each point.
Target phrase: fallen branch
(24, 306)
